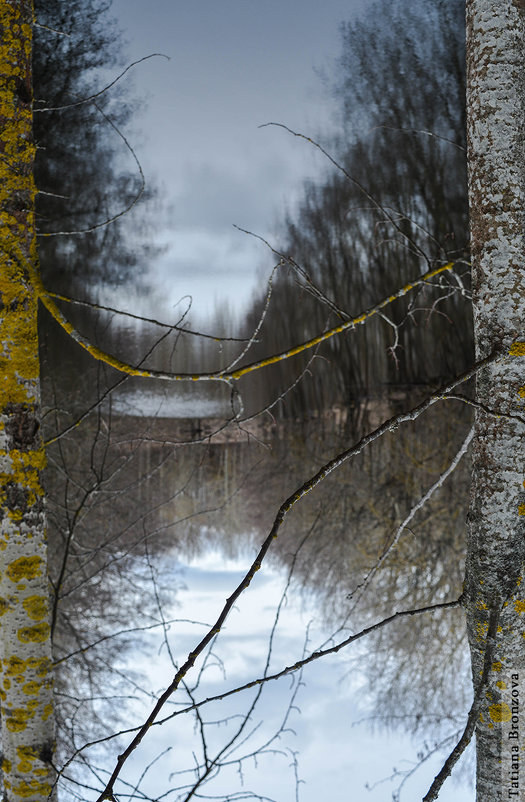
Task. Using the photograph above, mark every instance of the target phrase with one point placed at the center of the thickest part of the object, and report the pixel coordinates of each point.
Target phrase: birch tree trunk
(25, 646)
(496, 537)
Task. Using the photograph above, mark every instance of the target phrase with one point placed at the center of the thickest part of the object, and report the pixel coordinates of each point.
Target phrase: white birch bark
(496, 527)
(25, 646)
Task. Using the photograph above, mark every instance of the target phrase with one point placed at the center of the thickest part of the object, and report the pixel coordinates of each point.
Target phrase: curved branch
(124, 211)
(222, 375)
(91, 98)
(468, 732)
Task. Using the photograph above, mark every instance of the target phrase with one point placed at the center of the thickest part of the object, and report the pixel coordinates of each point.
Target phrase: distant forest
(394, 207)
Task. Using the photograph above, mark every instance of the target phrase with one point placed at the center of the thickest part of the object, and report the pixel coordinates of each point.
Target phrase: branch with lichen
(222, 375)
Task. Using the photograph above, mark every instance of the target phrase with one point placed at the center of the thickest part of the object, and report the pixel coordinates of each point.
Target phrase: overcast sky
(234, 65)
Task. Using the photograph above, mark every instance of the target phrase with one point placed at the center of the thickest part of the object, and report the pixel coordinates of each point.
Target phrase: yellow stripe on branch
(223, 375)
(348, 324)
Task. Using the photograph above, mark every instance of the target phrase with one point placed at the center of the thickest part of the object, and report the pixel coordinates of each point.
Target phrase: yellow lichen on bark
(19, 345)
(24, 568)
(34, 634)
(36, 607)
(500, 712)
(25, 645)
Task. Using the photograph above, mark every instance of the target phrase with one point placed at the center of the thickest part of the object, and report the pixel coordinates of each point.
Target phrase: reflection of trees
(99, 582)
(350, 519)
(120, 521)
(362, 507)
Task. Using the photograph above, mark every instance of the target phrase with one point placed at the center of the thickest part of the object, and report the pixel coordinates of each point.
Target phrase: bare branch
(130, 205)
(419, 505)
(221, 375)
(473, 715)
(47, 28)
(91, 98)
(299, 664)
(418, 131)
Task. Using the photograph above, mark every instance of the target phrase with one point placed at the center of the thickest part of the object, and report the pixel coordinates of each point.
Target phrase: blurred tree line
(85, 172)
(397, 206)
(401, 94)
(82, 166)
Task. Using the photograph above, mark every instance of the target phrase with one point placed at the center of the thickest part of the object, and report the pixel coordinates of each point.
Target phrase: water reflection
(123, 528)
(328, 731)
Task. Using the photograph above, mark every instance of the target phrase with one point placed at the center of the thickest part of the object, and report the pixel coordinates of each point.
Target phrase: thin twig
(91, 98)
(124, 211)
(47, 28)
(419, 505)
(419, 131)
(394, 220)
(473, 715)
(484, 408)
(153, 321)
